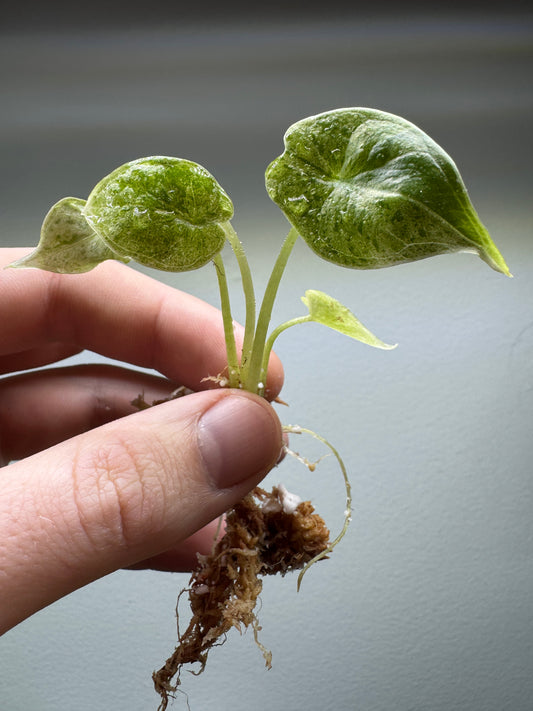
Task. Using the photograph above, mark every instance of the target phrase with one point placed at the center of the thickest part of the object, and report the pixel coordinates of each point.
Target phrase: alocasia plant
(364, 188)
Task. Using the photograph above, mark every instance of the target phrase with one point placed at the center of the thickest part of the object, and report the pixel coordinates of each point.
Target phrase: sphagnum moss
(262, 537)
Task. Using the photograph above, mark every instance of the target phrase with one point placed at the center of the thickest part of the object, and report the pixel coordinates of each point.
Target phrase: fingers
(120, 313)
(184, 557)
(36, 357)
(126, 492)
(40, 409)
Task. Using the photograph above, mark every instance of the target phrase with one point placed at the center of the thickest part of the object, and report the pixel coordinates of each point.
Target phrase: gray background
(427, 603)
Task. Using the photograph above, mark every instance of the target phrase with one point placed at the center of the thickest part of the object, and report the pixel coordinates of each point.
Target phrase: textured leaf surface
(164, 212)
(68, 244)
(368, 189)
(329, 312)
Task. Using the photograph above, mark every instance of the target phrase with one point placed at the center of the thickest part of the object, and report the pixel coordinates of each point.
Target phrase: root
(297, 429)
(266, 534)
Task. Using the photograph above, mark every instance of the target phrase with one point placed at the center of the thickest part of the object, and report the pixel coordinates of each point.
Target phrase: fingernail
(238, 438)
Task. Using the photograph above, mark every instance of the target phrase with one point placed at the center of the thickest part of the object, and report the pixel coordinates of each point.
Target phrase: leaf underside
(68, 244)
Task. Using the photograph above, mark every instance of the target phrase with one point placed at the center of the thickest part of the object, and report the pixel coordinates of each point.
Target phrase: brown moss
(263, 536)
(260, 538)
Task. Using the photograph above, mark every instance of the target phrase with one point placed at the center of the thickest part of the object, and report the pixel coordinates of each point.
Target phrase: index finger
(120, 313)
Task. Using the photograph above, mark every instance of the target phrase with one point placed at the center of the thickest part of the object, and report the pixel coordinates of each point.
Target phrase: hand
(95, 485)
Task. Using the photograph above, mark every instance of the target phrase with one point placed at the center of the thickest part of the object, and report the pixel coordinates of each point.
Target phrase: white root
(297, 429)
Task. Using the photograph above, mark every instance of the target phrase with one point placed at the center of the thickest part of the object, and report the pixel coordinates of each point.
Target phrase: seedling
(365, 189)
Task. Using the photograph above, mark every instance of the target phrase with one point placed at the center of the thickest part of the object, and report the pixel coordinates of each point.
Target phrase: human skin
(95, 485)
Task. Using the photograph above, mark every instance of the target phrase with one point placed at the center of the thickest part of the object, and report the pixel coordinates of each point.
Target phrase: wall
(426, 604)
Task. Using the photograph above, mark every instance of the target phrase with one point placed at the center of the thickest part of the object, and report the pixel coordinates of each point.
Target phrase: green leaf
(329, 312)
(68, 244)
(166, 213)
(367, 189)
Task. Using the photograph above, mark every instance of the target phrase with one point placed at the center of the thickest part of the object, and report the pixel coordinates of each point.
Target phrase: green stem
(229, 335)
(254, 376)
(248, 288)
(275, 333)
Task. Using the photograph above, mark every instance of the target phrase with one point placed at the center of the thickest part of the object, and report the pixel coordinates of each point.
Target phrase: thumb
(126, 491)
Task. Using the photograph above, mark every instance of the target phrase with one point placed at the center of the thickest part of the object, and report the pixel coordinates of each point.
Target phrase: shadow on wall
(139, 14)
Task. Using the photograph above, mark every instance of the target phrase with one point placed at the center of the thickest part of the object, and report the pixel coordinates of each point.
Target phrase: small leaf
(68, 244)
(329, 312)
(367, 189)
(166, 213)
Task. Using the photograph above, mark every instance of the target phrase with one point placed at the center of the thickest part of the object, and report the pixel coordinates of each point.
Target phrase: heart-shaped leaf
(329, 312)
(368, 189)
(167, 213)
(68, 244)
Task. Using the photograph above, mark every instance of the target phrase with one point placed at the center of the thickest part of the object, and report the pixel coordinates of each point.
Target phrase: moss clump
(264, 535)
